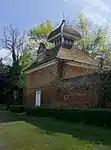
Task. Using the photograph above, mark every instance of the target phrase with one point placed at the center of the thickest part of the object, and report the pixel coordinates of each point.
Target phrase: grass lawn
(30, 133)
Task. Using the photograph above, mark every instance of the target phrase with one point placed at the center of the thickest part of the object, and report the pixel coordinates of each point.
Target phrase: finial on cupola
(64, 34)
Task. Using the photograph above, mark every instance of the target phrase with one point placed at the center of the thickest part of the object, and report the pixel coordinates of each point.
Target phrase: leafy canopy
(94, 37)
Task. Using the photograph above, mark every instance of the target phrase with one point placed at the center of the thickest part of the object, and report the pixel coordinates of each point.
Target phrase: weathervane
(63, 16)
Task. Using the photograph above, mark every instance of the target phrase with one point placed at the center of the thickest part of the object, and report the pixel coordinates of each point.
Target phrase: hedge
(17, 108)
(2, 107)
(99, 117)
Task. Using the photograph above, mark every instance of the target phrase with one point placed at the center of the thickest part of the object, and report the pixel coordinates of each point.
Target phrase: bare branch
(14, 42)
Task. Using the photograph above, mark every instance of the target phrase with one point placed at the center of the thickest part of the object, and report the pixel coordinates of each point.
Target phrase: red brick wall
(73, 71)
(80, 99)
(48, 96)
(44, 80)
(79, 91)
(44, 76)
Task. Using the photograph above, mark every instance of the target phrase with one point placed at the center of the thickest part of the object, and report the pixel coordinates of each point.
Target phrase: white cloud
(97, 10)
(5, 55)
(97, 4)
(96, 17)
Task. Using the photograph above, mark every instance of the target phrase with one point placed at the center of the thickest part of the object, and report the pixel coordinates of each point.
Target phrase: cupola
(64, 34)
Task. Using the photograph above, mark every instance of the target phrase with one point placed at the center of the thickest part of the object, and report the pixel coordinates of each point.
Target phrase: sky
(25, 14)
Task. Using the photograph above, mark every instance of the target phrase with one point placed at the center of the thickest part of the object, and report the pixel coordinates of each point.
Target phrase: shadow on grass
(96, 135)
(50, 126)
(7, 116)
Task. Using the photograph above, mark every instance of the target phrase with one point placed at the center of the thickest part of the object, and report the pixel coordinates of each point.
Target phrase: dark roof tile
(65, 29)
(65, 52)
(49, 55)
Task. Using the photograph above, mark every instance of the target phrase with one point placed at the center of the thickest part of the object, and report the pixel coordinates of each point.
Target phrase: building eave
(49, 63)
(81, 64)
(64, 34)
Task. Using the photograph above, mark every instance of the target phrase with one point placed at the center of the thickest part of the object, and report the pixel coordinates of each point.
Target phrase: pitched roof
(65, 52)
(71, 31)
(74, 54)
(50, 54)
(64, 28)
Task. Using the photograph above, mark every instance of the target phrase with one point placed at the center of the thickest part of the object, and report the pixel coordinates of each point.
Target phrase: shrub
(100, 117)
(17, 108)
(2, 107)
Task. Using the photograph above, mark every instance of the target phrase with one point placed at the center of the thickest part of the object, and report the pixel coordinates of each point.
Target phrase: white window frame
(38, 99)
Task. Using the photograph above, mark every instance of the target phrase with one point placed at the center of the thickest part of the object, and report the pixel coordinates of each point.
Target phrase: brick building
(63, 61)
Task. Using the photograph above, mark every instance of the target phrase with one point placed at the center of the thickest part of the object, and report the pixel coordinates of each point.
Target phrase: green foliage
(15, 43)
(21, 81)
(39, 33)
(105, 88)
(99, 117)
(35, 36)
(23, 55)
(17, 108)
(14, 75)
(2, 107)
(25, 61)
(94, 37)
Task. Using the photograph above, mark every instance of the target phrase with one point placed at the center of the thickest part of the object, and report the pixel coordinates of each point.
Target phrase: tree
(4, 84)
(36, 35)
(94, 42)
(14, 43)
(39, 34)
(94, 37)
